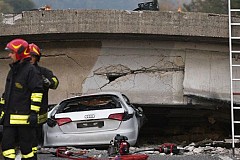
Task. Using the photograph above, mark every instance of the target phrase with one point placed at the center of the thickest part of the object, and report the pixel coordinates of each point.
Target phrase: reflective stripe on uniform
(19, 119)
(2, 101)
(35, 108)
(34, 149)
(55, 82)
(29, 155)
(9, 153)
(42, 118)
(1, 116)
(36, 97)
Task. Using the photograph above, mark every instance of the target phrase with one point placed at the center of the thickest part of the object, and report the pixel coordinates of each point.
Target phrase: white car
(92, 120)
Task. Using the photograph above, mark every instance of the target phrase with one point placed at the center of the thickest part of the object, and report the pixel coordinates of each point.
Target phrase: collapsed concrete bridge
(156, 58)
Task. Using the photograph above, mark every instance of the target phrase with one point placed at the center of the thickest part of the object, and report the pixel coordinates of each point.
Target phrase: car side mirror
(140, 109)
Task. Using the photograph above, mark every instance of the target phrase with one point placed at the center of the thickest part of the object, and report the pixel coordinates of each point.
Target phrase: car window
(54, 111)
(90, 103)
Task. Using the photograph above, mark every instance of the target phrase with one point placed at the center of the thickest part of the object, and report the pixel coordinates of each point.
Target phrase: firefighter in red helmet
(21, 102)
(50, 81)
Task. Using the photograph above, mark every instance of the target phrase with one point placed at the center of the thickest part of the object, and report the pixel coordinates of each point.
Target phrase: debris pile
(208, 147)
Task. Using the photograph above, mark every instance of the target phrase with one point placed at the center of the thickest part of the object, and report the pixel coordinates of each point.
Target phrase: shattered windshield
(90, 103)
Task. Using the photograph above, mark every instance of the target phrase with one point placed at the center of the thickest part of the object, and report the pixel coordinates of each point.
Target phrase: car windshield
(90, 103)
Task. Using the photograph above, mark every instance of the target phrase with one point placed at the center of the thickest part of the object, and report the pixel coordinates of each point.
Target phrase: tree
(16, 6)
(211, 6)
(5, 7)
(235, 4)
(208, 6)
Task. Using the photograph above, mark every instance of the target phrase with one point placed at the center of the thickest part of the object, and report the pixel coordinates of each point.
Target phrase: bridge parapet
(115, 22)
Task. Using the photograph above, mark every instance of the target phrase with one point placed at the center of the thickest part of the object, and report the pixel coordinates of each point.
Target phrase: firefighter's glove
(33, 119)
(46, 82)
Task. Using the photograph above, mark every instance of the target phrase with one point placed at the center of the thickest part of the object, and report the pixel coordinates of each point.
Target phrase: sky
(98, 4)
(90, 4)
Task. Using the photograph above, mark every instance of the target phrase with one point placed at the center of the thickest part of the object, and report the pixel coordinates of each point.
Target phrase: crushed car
(92, 120)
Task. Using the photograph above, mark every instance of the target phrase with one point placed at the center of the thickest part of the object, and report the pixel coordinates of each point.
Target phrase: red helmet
(35, 51)
(20, 47)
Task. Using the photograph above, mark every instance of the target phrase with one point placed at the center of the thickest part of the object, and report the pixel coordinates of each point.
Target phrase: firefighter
(50, 81)
(21, 102)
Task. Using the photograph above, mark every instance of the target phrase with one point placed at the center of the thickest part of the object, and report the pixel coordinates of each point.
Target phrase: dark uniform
(21, 102)
(23, 95)
(50, 82)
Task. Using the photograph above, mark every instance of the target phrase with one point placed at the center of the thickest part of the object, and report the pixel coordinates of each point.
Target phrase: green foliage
(16, 6)
(208, 6)
(235, 4)
(211, 6)
(5, 7)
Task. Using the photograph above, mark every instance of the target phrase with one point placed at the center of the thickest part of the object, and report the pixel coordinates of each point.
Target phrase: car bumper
(60, 139)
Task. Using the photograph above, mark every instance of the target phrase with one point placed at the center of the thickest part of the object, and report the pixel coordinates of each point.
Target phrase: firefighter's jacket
(42, 117)
(23, 93)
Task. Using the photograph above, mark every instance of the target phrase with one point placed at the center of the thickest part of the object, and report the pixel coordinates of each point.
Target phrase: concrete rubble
(190, 149)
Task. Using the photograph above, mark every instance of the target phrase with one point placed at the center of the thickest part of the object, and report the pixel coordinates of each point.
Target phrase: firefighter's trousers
(38, 139)
(14, 136)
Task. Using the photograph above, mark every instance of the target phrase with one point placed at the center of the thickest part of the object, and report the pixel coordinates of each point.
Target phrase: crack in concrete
(74, 60)
(114, 72)
(120, 70)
